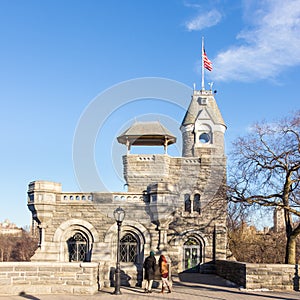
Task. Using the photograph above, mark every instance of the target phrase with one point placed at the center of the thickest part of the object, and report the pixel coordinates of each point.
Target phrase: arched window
(77, 246)
(128, 248)
(204, 134)
(196, 204)
(187, 203)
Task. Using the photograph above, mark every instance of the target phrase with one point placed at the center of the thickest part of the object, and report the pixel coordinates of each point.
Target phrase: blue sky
(57, 56)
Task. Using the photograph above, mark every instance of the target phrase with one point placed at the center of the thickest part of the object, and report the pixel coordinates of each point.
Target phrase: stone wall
(259, 276)
(140, 171)
(48, 278)
(154, 219)
(272, 276)
(233, 271)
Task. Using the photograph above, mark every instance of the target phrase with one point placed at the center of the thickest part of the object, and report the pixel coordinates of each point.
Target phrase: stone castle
(174, 205)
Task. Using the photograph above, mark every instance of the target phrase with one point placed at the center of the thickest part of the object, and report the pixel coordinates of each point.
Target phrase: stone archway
(191, 246)
(131, 271)
(137, 229)
(192, 254)
(67, 230)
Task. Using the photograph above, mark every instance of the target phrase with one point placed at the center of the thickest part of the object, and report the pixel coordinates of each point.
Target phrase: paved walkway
(188, 286)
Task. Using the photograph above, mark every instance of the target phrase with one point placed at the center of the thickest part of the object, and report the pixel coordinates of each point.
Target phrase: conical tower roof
(200, 100)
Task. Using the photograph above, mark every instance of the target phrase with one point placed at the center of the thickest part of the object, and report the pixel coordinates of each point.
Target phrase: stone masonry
(260, 276)
(175, 206)
(48, 278)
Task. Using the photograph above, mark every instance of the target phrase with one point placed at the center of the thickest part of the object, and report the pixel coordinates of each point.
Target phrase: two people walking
(150, 266)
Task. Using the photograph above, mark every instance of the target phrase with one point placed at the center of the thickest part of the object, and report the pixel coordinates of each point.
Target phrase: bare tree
(265, 171)
(248, 244)
(24, 247)
(17, 247)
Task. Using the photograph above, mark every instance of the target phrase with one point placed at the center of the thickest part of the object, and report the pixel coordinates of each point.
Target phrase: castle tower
(203, 127)
(140, 171)
(278, 218)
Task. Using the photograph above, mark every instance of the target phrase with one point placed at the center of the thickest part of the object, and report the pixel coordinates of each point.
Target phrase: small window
(187, 203)
(196, 204)
(204, 138)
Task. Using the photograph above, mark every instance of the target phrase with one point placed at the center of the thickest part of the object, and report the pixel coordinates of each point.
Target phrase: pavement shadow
(207, 279)
(136, 290)
(236, 294)
(214, 283)
(26, 296)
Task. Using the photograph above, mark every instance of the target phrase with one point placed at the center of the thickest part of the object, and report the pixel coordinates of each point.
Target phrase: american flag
(206, 62)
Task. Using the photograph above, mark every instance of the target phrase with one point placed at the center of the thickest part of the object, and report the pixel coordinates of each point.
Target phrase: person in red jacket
(164, 271)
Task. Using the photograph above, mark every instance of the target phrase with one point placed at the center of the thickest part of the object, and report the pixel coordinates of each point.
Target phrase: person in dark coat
(149, 266)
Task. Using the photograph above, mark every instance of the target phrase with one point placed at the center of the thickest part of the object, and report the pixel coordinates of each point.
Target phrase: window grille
(128, 248)
(77, 246)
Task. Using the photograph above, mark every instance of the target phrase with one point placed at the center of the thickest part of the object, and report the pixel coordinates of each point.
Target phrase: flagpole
(202, 65)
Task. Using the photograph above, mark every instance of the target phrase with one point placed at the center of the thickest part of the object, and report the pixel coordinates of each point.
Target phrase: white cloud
(205, 20)
(272, 44)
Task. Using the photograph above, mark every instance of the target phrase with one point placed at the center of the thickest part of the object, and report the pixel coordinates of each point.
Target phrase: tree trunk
(290, 255)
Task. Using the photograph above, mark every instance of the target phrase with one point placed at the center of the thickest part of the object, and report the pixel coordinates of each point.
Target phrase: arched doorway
(192, 254)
